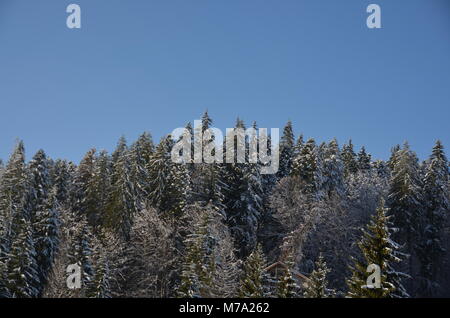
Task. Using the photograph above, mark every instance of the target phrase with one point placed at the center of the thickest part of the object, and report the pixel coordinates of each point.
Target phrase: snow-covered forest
(140, 225)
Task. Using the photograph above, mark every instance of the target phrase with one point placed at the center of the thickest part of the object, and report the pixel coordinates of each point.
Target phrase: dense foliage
(139, 225)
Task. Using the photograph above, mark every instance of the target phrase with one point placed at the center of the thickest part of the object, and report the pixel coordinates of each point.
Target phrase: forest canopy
(140, 225)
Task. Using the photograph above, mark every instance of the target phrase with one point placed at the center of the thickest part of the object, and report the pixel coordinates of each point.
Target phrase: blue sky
(152, 65)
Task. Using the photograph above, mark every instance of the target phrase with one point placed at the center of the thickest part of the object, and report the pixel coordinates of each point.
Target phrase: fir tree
(169, 182)
(394, 157)
(40, 182)
(199, 266)
(317, 286)
(332, 169)
(83, 201)
(140, 155)
(377, 247)
(307, 166)
(100, 287)
(364, 160)
(99, 190)
(431, 249)
(61, 179)
(349, 158)
(287, 286)
(22, 278)
(405, 202)
(254, 278)
(286, 151)
(122, 200)
(120, 150)
(80, 252)
(14, 186)
(46, 235)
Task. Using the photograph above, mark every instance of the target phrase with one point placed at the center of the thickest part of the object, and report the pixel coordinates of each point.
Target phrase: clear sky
(153, 65)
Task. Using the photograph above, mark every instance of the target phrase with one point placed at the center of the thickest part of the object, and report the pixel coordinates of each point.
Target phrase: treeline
(139, 225)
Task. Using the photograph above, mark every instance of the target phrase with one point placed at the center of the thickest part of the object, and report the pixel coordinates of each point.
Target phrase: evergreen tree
(307, 166)
(120, 150)
(206, 121)
(97, 190)
(61, 179)
(286, 151)
(81, 201)
(243, 191)
(431, 249)
(298, 146)
(377, 247)
(80, 252)
(43, 212)
(40, 182)
(405, 203)
(140, 155)
(198, 268)
(364, 159)
(46, 234)
(316, 286)
(395, 151)
(209, 268)
(13, 189)
(332, 170)
(287, 286)
(122, 200)
(22, 278)
(99, 287)
(349, 158)
(254, 278)
(14, 186)
(169, 182)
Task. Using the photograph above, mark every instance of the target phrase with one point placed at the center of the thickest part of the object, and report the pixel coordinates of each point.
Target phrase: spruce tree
(140, 155)
(196, 276)
(254, 278)
(307, 167)
(286, 151)
(169, 182)
(287, 286)
(317, 285)
(100, 287)
(395, 151)
(83, 201)
(61, 179)
(46, 234)
(332, 169)
(405, 202)
(349, 158)
(80, 252)
(364, 160)
(122, 204)
(99, 190)
(377, 247)
(121, 148)
(43, 215)
(14, 187)
(22, 278)
(40, 182)
(431, 249)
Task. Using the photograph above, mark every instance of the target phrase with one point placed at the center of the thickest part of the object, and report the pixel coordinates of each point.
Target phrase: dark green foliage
(349, 158)
(317, 286)
(254, 278)
(286, 151)
(377, 247)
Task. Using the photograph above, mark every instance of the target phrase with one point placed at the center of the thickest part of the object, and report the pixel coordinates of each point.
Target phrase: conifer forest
(139, 225)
